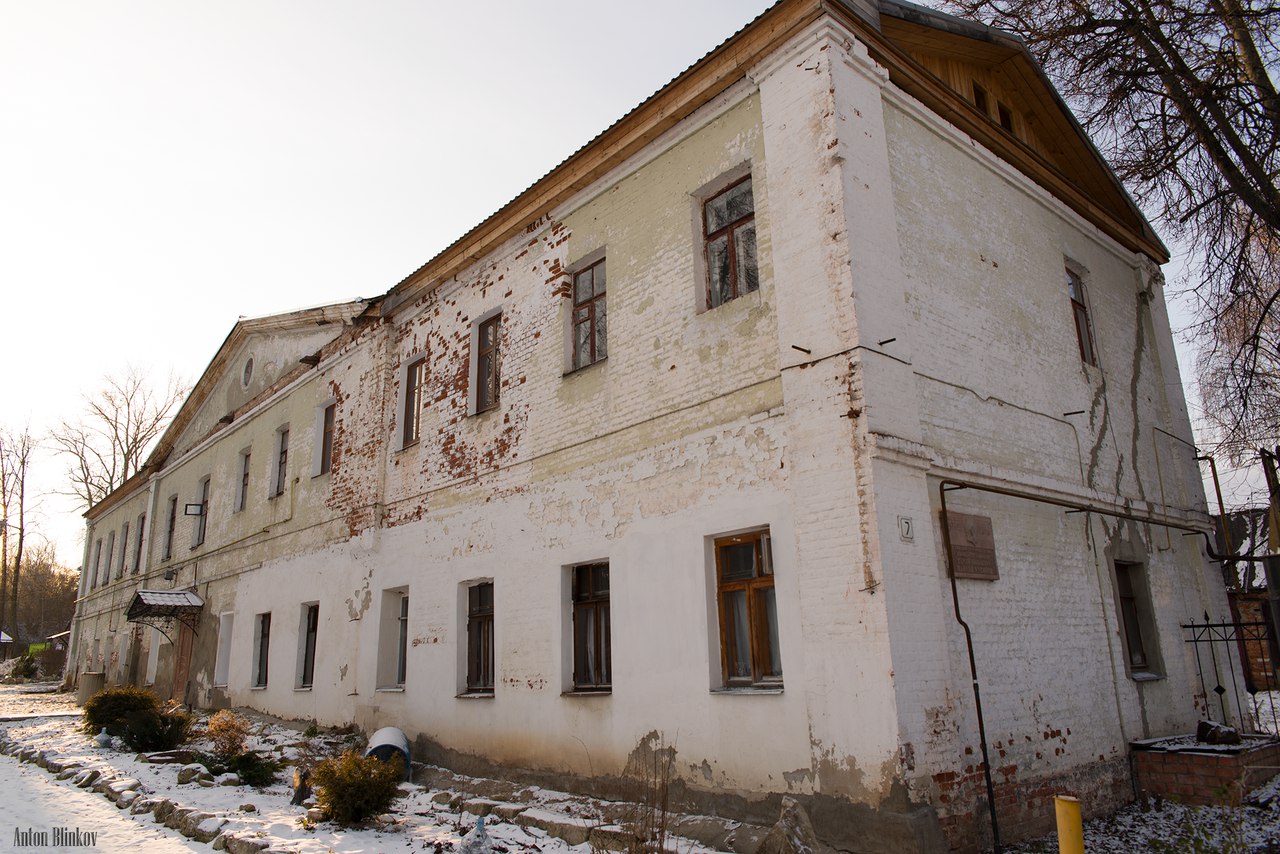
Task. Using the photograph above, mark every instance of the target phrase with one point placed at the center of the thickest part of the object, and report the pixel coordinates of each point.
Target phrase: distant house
(838, 364)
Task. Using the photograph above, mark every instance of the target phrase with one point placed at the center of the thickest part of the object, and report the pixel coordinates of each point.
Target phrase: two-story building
(663, 449)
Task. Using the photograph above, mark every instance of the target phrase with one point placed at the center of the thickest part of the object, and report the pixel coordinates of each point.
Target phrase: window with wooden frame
(124, 550)
(592, 654)
(415, 375)
(242, 499)
(488, 362)
(170, 527)
(1080, 313)
(402, 642)
(310, 625)
(590, 341)
(980, 99)
(326, 437)
(480, 638)
(729, 232)
(137, 549)
(282, 462)
(97, 561)
(261, 649)
(749, 649)
(111, 550)
(202, 518)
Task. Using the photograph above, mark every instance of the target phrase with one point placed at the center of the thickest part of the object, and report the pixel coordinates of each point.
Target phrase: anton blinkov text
(58, 837)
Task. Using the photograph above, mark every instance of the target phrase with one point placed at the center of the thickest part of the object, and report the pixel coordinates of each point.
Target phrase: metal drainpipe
(949, 484)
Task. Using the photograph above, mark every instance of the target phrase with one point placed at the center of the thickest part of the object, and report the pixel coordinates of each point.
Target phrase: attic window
(980, 99)
(1006, 116)
(248, 372)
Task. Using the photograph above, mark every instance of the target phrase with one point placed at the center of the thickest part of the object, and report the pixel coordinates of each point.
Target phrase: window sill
(588, 692)
(390, 689)
(218, 684)
(322, 474)
(302, 689)
(1145, 676)
(409, 446)
(573, 372)
(749, 689)
(475, 695)
(257, 687)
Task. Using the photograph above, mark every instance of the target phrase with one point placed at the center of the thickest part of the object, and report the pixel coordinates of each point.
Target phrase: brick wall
(1205, 779)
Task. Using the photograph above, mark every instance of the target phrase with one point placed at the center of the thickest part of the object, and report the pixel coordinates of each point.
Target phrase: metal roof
(163, 603)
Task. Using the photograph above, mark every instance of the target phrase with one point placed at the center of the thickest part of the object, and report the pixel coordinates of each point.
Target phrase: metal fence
(1236, 663)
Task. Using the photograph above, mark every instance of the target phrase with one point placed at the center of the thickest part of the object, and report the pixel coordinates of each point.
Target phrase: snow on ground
(415, 824)
(37, 803)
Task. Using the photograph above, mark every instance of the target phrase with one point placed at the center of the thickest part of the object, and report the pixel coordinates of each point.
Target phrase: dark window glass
(730, 230)
(137, 549)
(480, 637)
(170, 527)
(1130, 614)
(590, 342)
(309, 646)
(1084, 332)
(326, 439)
(403, 642)
(592, 667)
(282, 462)
(202, 521)
(264, 646)
(414, 376)
(242, 500)
(487, 363)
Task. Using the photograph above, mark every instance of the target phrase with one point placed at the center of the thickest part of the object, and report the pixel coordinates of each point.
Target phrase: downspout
(950, 484)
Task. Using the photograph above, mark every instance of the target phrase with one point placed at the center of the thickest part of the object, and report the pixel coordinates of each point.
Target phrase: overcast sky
(168, 167)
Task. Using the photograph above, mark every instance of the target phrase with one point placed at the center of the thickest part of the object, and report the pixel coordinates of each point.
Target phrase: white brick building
(463, 509)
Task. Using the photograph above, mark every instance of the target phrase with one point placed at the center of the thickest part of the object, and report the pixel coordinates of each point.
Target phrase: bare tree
(107, 445)
(15, 457)
(1179, 95)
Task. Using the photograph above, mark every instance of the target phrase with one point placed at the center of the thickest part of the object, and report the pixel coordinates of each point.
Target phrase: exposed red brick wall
(1205, 779)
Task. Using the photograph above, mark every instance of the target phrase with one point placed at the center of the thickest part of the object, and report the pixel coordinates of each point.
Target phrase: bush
(26, 667)
(155, 730)
(228, 731)
(111, 708)
(138, 717)
(250, 766)
(352, 788)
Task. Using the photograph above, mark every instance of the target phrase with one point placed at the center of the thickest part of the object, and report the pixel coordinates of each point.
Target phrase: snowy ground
(435, 820)
(1266, 711)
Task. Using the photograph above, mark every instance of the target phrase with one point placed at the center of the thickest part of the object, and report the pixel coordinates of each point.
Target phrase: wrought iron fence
(1238, 659)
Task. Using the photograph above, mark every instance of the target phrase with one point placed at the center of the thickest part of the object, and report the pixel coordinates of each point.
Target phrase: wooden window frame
(729, 231)
(1080, 317)
(402, 641)
(488, 364)
(310, 629)
(328, 417)
(202, 521)
(585, 313)
(137, 549)
(262, 641)
(414, 377)
(282, 461)
(592, 656)
(171, 527)
(242, 500)
(97, 564)
(124, 550)
(480, 654)
(765, 673)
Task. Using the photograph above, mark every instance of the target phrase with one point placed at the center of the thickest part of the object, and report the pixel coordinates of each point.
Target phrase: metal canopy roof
(153, 606)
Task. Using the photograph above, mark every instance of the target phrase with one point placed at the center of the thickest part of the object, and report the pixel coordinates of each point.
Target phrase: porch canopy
(153, 607)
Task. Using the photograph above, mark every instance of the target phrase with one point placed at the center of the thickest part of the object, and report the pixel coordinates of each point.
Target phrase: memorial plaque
(973, 547)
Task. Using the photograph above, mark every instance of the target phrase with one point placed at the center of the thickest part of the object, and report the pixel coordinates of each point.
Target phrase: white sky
(168, 167)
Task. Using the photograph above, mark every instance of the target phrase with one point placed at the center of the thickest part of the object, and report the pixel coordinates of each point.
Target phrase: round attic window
(248, 372)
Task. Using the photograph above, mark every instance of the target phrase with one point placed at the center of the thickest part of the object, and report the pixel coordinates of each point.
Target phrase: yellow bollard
(1070, 830)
